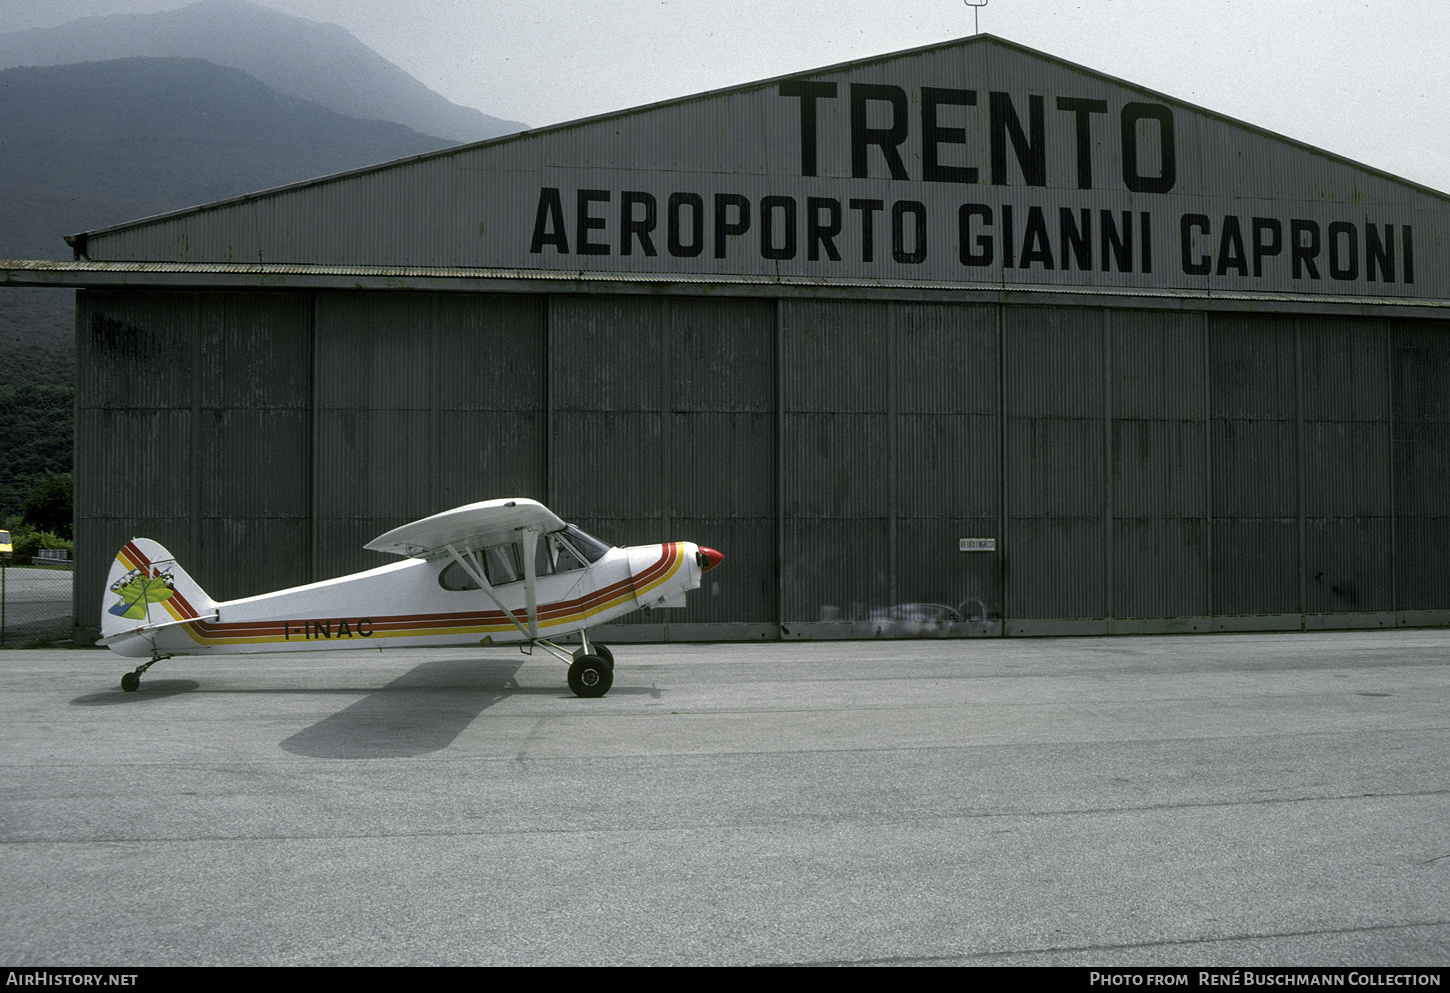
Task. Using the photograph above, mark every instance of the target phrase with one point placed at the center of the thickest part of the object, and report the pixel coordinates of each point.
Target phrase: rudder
(146, 587)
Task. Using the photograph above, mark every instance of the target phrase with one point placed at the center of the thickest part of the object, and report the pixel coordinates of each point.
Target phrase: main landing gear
(592, 671)
(591, 666)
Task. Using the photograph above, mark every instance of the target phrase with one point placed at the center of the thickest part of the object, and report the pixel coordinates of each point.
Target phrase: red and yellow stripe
(482, 622)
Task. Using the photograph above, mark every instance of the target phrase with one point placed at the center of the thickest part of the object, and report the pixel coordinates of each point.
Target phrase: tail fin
(146, 589)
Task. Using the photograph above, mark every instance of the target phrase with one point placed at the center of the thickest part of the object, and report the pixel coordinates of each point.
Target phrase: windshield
(587, 545)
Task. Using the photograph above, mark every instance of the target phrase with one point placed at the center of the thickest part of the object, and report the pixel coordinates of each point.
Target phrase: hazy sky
(1367, 80)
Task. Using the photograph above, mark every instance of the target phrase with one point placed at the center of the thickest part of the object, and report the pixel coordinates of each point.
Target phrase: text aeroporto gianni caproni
(1003, 236)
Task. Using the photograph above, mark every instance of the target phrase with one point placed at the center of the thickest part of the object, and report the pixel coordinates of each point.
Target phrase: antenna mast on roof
(975, 5)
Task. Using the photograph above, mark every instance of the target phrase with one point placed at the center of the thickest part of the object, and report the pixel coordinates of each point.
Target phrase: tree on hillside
(37, 428)
(50, 506)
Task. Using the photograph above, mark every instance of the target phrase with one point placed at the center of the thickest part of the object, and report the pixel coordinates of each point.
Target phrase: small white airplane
(489, 573)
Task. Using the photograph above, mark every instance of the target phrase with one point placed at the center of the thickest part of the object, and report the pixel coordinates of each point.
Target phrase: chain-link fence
(35, 603)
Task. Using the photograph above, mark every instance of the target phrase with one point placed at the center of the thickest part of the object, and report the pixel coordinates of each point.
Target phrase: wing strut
(476, 574)
(531, 599)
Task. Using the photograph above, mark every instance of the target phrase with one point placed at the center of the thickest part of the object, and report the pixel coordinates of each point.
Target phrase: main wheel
(590, 676)
(598, 651)
(130, 682)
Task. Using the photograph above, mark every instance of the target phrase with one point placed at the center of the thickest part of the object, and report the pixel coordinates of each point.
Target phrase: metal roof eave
(288, 276)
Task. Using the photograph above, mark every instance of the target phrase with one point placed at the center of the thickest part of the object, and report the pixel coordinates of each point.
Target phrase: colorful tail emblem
(136, 590)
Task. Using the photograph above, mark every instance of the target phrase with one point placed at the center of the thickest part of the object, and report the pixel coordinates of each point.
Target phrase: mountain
(322, 63)
(98, 143)
(95, 144)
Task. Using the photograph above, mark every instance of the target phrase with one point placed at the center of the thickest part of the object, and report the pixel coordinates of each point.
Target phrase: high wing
(463, 532)
(476, 526)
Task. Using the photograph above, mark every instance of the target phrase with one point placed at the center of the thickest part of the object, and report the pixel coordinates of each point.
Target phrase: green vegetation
(50, 508)
(46, 521)
(37, 429)
(37, 337)
(26, 540)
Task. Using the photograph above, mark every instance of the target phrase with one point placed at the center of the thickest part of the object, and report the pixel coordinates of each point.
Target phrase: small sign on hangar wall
(976, 544)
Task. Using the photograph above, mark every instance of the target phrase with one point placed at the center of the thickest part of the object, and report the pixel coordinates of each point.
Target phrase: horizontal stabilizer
(147, 628)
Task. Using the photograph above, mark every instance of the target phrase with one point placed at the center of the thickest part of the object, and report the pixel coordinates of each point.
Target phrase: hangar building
(963, 340)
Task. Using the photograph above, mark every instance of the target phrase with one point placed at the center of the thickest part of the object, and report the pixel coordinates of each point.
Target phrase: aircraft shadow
(421, 711)
(151, 689)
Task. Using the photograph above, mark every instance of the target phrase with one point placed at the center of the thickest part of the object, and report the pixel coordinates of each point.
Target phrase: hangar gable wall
(976, 163)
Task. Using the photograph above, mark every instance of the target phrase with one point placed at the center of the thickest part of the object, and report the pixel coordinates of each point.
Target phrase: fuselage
(407, 604)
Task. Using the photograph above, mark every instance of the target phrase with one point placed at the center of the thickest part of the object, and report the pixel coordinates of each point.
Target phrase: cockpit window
(501, 566)
(555, 555)
(456, 578)
(590, 547)
(562, 551)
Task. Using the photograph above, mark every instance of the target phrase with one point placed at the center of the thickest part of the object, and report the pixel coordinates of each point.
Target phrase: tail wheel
(590, 676)
(132, 679)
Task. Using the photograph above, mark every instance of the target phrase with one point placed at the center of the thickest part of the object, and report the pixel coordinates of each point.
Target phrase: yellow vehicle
(5, 547)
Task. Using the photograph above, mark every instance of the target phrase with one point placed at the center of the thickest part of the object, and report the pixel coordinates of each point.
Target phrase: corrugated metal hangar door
(663, 428)
(639, 419)
(890, 443)
(1105, 465)
(194, 426)
(424, 401)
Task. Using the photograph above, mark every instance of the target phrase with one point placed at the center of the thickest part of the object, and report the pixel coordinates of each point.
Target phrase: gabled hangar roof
(976, 164)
